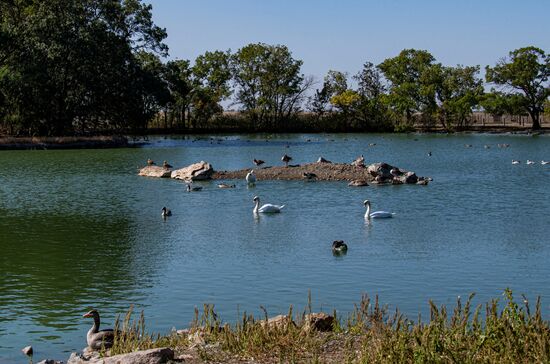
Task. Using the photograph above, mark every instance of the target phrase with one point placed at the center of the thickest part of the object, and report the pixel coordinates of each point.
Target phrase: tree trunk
(536, 120)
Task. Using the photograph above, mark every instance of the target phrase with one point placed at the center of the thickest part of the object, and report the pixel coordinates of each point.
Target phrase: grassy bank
(65, 142)
(497, 332)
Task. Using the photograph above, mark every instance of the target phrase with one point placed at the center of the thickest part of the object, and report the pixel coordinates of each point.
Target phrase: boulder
(279, 321)
(151, 356)
(410, 177)
(358, 183)
(49, 361)
(194, 172)
(318, 322)
(382, 170)
(155, 171)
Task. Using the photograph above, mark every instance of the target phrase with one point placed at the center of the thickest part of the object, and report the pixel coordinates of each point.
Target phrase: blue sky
(342, 35)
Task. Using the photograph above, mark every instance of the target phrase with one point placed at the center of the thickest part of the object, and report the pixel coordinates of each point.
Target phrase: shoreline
(64, 142)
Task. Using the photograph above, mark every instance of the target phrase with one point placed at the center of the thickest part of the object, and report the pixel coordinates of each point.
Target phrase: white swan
(267, 208)
(544, 162)
(376, 214)
(529, 162)
(515, 161)
(250, 177)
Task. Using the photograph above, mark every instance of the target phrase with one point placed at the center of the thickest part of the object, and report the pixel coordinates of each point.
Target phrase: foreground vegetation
(499, 332)
(73, 67)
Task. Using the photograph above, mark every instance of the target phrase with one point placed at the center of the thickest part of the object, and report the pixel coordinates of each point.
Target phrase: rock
(151, 356)
(410, 177)
(27, 350)
(358, 183)
(194, 172)
(380, 169)
(50, 361)
(318, 322)
(155, 171)
(279, 321)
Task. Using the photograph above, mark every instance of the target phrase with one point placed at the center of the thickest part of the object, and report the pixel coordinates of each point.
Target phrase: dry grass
(493, 333)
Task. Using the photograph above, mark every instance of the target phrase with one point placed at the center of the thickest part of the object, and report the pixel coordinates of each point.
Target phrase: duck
(309, 176)
(150, 162)
(339, 247)
(166, 165)
(429, 154)
(267, 208)
(98, 339)
(514, 161)
(286, 158)
(544, 162)
(258, 162)
(166, 212)
(359, 161)
(529, 162)
(194, 189)
(250, 177)
(225, 185)
(376, 214)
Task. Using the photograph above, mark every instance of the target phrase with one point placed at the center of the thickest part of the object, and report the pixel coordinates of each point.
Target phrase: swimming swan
(250, 178)
(376, 214)
(267, 208)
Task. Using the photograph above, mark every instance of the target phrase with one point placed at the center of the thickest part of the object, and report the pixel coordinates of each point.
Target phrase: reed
(498, 332)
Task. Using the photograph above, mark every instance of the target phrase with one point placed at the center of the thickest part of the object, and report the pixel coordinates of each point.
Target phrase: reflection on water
(80, 229)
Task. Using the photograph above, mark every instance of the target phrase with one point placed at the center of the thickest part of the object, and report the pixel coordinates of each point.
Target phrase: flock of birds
(529, 161)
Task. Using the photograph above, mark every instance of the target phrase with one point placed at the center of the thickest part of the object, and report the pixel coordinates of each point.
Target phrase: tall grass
(496, 332)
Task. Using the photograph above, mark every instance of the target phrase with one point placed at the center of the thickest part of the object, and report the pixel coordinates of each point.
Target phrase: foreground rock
(152, 356)
(194, 172)
(377, 173)
(155, 171)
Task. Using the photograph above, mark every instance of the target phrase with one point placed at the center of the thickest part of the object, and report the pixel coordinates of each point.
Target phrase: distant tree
(458, 91)
(547, 108)
(211, 84)
(524, 73)
(497, 103)
(178, 77)
(411, 78)
(320, 101)
(269, 84)
(372, 110)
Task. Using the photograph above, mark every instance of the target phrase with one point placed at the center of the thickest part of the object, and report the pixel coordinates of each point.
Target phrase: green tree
(372, 110)
(524, 73)
(458, 91)
(178, 75)
(269, 85)
(412, 84)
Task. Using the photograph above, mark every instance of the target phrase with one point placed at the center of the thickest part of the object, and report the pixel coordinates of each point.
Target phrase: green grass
(497, 332)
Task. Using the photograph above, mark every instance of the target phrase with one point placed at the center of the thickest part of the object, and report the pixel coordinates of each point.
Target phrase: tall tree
(525, 73)
(269, 85)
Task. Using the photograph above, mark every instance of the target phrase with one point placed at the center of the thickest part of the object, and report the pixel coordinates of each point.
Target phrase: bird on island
(514, 161)
(166, 212)
(225, 185)
(544, 162)
(267, 208)
(150, 162)
(309, 176)
(166, 165)
(323, 160)
(98, 339)
(529, 162)
(339, 247)
(286, 159)
(359, 161)
(258, 162)
(193, 188)
(376, 214)
(250, 177)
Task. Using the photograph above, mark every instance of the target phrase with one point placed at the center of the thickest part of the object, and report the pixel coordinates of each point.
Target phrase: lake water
(80, 229)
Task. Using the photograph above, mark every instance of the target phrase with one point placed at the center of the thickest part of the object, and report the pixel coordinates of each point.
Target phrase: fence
(481, 119)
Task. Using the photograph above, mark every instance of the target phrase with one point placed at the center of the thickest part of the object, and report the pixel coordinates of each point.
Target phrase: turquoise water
(80, 229)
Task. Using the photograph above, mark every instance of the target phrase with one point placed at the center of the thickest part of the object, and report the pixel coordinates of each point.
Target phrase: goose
(376, 214)
(339, 247)
(150, 162)
(515, 161)
(194, 189)
(544, 162)
(529, 162)
(166, 165)
(286, 159)
(166, 212)
(429, 154)
(250, 177)
(267, 208)
(225, 185)
(309, 176)
(258, 162)
(96, 338)
(359, 161)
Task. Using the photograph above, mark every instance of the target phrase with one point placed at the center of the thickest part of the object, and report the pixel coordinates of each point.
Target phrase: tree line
(94, 66)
